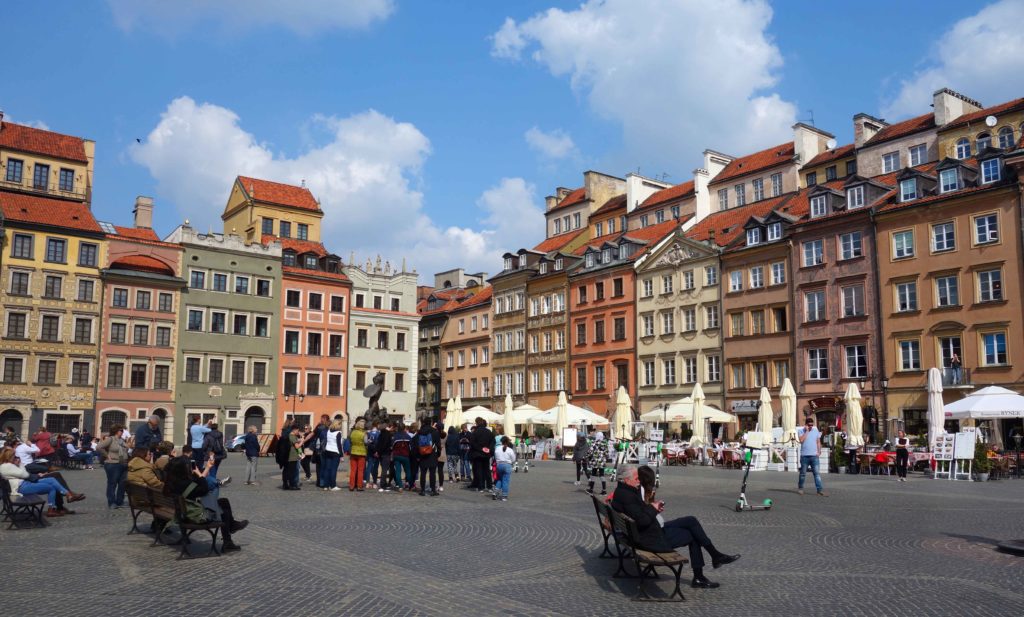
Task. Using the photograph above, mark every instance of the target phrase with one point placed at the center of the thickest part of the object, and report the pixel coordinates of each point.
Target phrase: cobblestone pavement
(873, 547)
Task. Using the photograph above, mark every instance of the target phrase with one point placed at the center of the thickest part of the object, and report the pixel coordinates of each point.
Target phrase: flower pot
(983, 477)
(842, 469)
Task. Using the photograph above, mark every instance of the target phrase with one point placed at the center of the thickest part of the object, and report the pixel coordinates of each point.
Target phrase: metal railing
(28, 186)
(956, 377)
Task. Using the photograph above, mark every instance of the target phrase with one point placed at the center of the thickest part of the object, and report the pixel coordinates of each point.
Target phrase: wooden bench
(173, 507)
(607, 528)
(646, 561)
(21, 509)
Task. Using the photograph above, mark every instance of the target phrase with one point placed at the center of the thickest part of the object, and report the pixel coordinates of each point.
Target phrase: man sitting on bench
(634, 497)
(86, 458)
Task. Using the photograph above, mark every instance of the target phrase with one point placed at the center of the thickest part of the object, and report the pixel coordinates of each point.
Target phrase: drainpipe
(99, 354)
(879, 343)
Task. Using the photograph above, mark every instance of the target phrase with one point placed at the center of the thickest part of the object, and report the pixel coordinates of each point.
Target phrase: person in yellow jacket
(357, 457)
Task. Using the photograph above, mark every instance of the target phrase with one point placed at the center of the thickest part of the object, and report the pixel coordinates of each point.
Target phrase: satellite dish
(991, 121)
(831, 144)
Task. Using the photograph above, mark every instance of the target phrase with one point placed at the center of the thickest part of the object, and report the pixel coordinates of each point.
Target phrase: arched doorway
(254, 416)
(11, 418)
(161, 413)
(110, 418)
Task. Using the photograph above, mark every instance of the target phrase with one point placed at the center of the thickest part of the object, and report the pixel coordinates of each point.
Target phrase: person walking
(453, 454)
(252, 455)
(401, 447)
(579, 456)
(481, 447)
(810, 451)
(428, 442)
(357, 456)
(114, 456)
(505, 455)
(902, 455)
(385, 443)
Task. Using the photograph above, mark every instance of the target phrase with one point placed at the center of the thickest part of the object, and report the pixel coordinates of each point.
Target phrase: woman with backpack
(427, 443)
(357, 458)
(505, 456)
(370, 473)
(401, 447)
(332, 457)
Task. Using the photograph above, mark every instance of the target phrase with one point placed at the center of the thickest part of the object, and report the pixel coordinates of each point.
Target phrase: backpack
(464, 442)
(195, 512)
(371, 442)
(425, 444)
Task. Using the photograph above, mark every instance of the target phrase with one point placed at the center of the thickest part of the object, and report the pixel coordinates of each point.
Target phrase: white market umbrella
(854, 417)
(682, 411)
(450, 417)
(765, 416)
(508, 418)
(989, 403)
(787, 398)
(458, 410)
(936, 414)
(480, 411)
(623, 415)
(700, 437)
(524, 414)
(573, 415)
(561, 414)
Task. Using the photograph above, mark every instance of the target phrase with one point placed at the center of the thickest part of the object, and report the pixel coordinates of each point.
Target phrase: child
(505, 456)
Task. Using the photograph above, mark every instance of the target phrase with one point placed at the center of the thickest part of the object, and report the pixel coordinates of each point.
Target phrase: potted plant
(776, 462)
(838, 453)
(982, 466)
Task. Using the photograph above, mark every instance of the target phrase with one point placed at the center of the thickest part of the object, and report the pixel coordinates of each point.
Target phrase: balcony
(51, 190)
(957, 379)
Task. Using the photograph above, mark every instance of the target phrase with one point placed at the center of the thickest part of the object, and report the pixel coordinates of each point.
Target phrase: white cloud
(365, 176)
(679, 75)
(981, 56)
(556, 144)
(36, 124)
(302, 16)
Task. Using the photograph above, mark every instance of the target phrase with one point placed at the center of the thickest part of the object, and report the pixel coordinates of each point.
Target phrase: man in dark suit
(634, 497)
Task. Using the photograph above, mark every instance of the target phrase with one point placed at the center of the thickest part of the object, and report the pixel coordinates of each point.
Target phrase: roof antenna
(303, 183)
(811, 113)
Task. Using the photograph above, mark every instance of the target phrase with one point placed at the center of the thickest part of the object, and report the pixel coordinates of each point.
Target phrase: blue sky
(433, 130)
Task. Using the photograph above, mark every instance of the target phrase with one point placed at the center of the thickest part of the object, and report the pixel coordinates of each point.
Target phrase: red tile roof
(299, 246)
(615, 203)
(480, 297)
(38, 141)
(758, 161)
(995, 110)
(555, 243)
(143, 263)
(338, 276)
(666, 195)
(900, 129)
(574, 197)
(649, 235)
(278, 193)
(452, 297)
(831, 155)
(25, 208)
(727, 225)
(137, 233)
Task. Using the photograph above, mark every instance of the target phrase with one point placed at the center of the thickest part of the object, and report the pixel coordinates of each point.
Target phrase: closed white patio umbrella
(451, 416)
(787, 399)
(700, 437)
(765, 416)
(508, 418)
(936, 413)
(623, 415)
(854, 417)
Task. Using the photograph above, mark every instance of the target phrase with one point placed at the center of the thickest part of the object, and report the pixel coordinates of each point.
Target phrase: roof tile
(770, 157)
(556, 243)
(39, 141)
(1009, 106)
(572, 198)
(727, 225)
(900, 129)
(25, 208)
(831, 155)
(666, 195)
(278, 193)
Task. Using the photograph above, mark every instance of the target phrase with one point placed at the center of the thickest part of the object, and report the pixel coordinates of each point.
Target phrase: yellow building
(971, 133)
(45, 163)
(260, 207)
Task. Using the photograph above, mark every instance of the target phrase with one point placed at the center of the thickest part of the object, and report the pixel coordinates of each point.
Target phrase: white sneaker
(576, 483)
(334, 489)
(440, 488)
(380, 490)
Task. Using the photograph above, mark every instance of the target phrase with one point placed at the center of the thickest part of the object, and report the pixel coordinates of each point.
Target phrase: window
(21, 247)
(238, 374)
(161, 377)
(334, 385)
(400, 341)
(382, 340)
(947, 291)
(906, 296)
(67, 180)
(262, 327)
(739, 376)
(314, 341)
(903, 244)
(575, 224)
(736, 280)
(830, 173)
(648, 373)
(668, 371)
(918, 155)
(666, 284)
(557, 230)
(241, 325)
(668, 322)
(1005, 139)
(648, 325)
(856, 361)
(302, 231)
(335, 345)
(736, 324)
(949, 180)
(41, 176)
(994, 344)
(617, 288)
(19, 283)
(778, 273)
(558, 268)
(815, 305)
(779, 314)
(754, 236)
(599, 291)
(140, 335)
(15, 168)
(47, 372)
(215, 371)
(890, 162)
(963, 148)
(291, 382)
(52, 287)
(241, 284)
(49, 329)
(220, 282)
(647, 288)
(268, 226)
(192, 369)
(711, 316)
(598, 230)
(723, 199)
(983, 142)
(293, 298)
(618, 332)
(986, 228)
(316, 302)
(817, 363)
(757, 322)
(599, 331)
(485, 352)
(714, 368)
(581, 378)
(757, 277)
(142, 300)
(689, 319)
(16, 325)
(908, 189)
(776, 185)
(163, 337)
(85, 290)
(263, 288)
(115, 375)
(80, 373)
(741, 194)
(812, 178)
(813, 253)
(910, 355)
(56, 250)
(774, 231)
(710, 276)
(851, 167)
(87, 254)
(850, 245)
(853, 301)
(855, 198)
(286, 229)
(13, 368)
(218, 322)
(760, 373)
(581, 334)
(118, 332)
(288, 257)
(197, 280)
(138, 376)
(195, 320)
(758, 189)
(943, 237)
(990, 285)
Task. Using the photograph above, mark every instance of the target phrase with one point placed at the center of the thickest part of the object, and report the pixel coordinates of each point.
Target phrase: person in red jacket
(42, 440)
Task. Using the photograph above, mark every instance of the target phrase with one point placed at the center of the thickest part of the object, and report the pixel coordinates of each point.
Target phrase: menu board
(656, 434)
(964, 448)
(942, 447)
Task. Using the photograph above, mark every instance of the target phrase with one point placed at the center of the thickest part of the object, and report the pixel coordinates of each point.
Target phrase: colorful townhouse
(466, 349)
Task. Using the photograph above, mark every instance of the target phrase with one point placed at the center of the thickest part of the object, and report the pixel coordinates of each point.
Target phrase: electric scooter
(742, 503)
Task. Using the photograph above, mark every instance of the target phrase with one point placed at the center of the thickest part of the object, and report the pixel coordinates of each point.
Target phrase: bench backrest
(138, 495)
(5, 490)
(604, 517)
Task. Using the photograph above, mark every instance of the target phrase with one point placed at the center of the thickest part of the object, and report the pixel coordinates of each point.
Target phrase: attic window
(949, 180)
(754, 236)
(774, 231)
(522, 261)
(558, 264)
(819, 206)
(855, 198)
(606, 256)
(543, 267)
(626, 250)
(984, 141)
(590, 260)
(908, 189)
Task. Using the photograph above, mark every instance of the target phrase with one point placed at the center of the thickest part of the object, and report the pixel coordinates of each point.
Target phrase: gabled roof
(38, 141)
(894, 131)
(26, 208)
(831, 155)
(727, 225)
(572, 198)
(758, 161)
(615, 203)
(664, 196)
(136, 233)
(299, 246)
(1002, 108)
(479, 298)
(277, 193)
(556, 243)
(450, 299)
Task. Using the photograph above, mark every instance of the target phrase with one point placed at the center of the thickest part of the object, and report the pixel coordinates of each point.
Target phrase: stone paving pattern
(874, 547)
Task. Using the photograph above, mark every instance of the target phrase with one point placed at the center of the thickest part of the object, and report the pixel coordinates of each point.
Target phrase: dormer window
(288, 258)
(908, 189)
(949, 180)
(590, 260)
(312, 262)
(558, 264)
(774, 232)
(754, 236)
(855, 198)
(819, 206)
(606, 256)
(984, 141)
(522, 261)
(543, 267)
(990, 171)
(963, 148)
(626, 250)
(508, 263)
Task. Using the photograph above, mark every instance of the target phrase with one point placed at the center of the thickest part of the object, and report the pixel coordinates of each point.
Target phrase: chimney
(714, 162)
(950, 105)
(143, 212)
(550, 202)
(865, 127)
(601, 187)
(639, 188)
(809, 142)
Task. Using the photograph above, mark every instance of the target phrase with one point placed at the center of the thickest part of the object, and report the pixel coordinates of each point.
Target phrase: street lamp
(885, 402)
(294, 397)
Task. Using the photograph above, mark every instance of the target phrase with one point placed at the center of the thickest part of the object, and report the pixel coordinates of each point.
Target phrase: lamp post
(294, 397)
(885, 403)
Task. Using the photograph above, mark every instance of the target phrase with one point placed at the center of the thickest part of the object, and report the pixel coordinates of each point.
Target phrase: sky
(431, 131)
